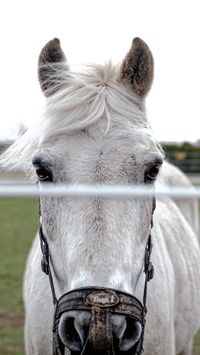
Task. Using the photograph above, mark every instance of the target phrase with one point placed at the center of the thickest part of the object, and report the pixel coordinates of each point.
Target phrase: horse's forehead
(79, 157)
(93, 142)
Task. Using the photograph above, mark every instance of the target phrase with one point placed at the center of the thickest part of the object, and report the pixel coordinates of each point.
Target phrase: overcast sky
(95, 31)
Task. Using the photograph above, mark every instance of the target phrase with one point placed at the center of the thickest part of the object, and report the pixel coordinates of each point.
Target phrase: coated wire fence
(25, 189)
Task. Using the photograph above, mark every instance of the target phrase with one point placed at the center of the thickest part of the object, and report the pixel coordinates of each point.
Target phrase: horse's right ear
(48, 73)
(137, 68)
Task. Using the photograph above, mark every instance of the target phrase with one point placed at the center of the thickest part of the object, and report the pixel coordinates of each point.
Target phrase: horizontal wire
(84, 191)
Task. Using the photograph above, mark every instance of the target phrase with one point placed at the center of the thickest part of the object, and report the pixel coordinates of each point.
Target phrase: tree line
(185, 155)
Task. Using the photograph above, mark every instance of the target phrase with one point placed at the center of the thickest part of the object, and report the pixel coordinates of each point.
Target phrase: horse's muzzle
(98, 321)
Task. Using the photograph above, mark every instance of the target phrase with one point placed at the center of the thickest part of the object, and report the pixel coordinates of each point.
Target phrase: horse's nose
(126, 330)
(74, 328)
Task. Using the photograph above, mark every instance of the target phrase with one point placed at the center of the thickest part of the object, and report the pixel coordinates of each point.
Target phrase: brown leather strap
(100, 333)
(85, 299)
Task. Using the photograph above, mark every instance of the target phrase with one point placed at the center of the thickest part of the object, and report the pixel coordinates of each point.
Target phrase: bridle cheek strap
(45, 262)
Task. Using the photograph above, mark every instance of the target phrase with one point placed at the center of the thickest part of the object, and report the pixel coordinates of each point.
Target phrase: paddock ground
(18, 223)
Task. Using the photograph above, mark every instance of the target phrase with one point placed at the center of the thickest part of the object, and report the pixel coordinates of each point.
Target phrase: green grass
(196, 350)
(18, 224)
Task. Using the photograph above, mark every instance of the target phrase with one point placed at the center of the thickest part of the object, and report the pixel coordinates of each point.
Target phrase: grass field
(18, 223)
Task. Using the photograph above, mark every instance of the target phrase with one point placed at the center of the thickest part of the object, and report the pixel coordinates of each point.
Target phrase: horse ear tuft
(50, 54)
(137, 68)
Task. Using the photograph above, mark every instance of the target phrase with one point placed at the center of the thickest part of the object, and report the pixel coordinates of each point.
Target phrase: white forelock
(85, 94)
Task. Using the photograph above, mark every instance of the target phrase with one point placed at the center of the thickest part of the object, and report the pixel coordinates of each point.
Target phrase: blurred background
(90, 31)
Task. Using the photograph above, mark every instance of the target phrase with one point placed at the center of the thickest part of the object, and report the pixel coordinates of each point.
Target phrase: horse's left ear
(137, 68)
(48, 73)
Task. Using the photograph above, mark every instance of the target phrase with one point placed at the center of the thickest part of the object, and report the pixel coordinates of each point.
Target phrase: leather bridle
(101, 303)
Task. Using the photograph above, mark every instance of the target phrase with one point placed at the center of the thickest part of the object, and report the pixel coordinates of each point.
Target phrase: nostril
(126, 330)
(118, 325)
(73, 329)
(69, 335)
(131, 336)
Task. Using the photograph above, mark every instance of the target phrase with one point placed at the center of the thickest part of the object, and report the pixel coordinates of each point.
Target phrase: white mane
(84, 97)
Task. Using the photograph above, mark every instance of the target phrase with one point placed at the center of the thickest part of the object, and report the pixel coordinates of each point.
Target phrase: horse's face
(99, 241)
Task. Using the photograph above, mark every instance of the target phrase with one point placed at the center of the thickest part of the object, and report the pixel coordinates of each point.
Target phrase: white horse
(95, 131)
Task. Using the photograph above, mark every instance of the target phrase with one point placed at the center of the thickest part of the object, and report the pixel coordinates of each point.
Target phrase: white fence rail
(21, 189)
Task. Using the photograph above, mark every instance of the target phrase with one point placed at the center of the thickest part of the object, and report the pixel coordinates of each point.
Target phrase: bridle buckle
(45, 265)
(150, 272)
(45, 252)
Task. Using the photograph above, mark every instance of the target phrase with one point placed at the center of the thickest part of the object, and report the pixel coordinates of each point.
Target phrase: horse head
(96, 132)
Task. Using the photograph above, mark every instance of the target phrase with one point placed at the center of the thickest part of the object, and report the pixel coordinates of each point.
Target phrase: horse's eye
(43, 174)
(151, 174)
